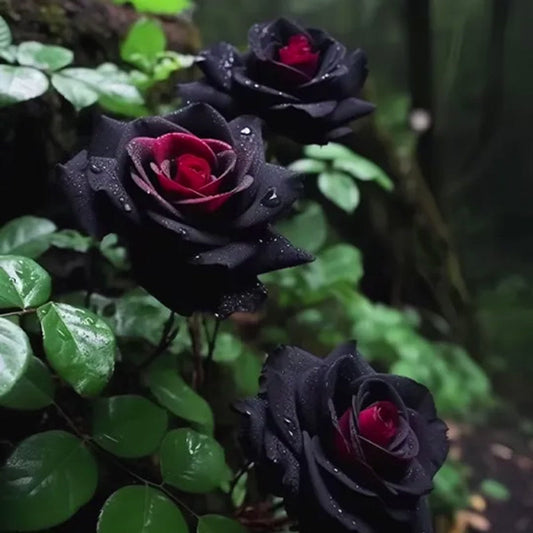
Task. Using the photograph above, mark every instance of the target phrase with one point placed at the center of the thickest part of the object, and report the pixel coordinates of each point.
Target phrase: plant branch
(195, 333)
(167, 336)
(19, 313)
(212, 340)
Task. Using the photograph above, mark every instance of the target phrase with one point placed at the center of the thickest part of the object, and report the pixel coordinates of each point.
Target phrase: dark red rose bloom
(301, 81)
(348, 449)
(193, 199)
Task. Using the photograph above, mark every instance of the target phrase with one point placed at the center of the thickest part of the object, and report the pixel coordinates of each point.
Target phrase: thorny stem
(195, 333)
(87, 439)
(167, 336)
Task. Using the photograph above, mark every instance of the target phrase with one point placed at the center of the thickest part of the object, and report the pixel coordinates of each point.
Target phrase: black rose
(349, 449)
(193, 199)
(301, 81)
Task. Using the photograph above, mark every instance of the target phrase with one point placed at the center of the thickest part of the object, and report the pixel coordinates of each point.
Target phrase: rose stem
(212, 343)
(195, 333)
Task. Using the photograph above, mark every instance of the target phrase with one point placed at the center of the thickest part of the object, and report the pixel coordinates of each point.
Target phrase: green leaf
(173, 393)
(192, 462)
(140, 509)
(45, 481)
(330, 151)
(495, 490)
(364, 170)
(308, 166)
(18, 84)
(27, 235)
(34, 390)
(342, 262)
(239, 490)
(23, 283)
(77, 92)
(340, 189)
(159, 7)
(128, 426)
(213, 523)
(43, 56)
(9, 54)
(144, 40)
(228, 348)
(5, 34)
(296, 229)
(15, 353)
(114, 253)
(78, 345)
(70, 239)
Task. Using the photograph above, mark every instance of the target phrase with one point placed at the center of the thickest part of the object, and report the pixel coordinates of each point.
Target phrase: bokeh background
(451, 245)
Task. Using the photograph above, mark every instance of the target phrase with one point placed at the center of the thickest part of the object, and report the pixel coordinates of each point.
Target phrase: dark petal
(253, 411)
(423, 522)
(433, 441)
(203, 121)
(274, 252)
(415, 481)
(229, 256)
(325, 500)
(350, 109)
(357, 73)
(338, 133)
(310, 385)
(240, 294)
(283, 419)
(218, 62)
(81, 197)
(414, 395)
(360, 365)
(275, 189)
(290, 359)
(332, 54)
(248, 144)
(201, 91)
(254, 95)
(106, 141)
(261, 36)
(187, 232)
(314, 110)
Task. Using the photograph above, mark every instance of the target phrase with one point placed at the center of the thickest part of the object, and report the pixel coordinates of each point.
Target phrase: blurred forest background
(452, 82)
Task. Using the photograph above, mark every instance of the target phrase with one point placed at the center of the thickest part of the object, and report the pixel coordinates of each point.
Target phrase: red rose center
(299, 54)
(192, 171)
(379, 422)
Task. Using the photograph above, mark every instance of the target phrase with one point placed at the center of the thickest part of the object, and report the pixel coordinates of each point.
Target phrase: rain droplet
(271, 198)
(246, 131)
(182, 232)
(95, 168)
(127, 207)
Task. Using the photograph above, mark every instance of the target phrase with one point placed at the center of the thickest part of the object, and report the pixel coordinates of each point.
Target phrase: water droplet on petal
(127, 207)
(271, 198)
(246, 131)
(95, 168)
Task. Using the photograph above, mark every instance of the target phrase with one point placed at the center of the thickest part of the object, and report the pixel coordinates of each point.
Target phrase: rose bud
(347, 448)
(193, 199)
(301, 81)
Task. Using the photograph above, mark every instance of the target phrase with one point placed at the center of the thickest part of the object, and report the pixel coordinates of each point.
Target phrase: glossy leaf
(77, 92)
(34, 390)
(340, 189)
(341, 262)
(79, 346)
(191, 461)
(43, 56)
(23, 282)
(213, 523)
(128, 426)
(28, 236)
(18, 84)
(15, 353)
(172, 392)
(160, 7)
(364, 170)
(144, 41)
(140, 509)
(330, 151)
(70, 239)
(113, 252)
(45, 481)
(296, 229)
(5, 34)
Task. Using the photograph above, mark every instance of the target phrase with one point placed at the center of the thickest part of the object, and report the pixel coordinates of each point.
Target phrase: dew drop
(271, 198)
(127, 207)
(95, 168)
(182, 232)
(246, 131)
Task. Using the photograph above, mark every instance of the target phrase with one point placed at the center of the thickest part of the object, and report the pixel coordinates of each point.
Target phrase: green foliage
(18, 84)
(15, 354)
(145, 40)
(450, 488)
(140, 509)
(213, 523)
(43, 56)
(340, 189)
(28, 236)
(33, 390)
(160, 7)
(173, 393)
(45, 481)
(79, 346)
(192, 462)
(494, 490)
(5, 35)
(128, 426)
(23, 283)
